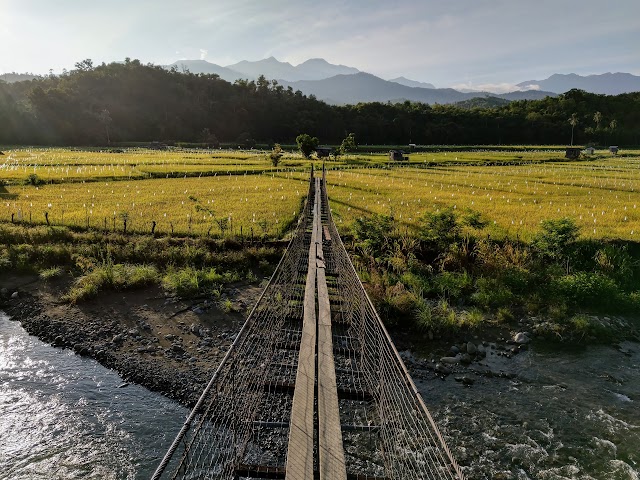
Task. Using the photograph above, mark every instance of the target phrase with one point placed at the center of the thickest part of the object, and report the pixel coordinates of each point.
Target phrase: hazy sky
(475, 43)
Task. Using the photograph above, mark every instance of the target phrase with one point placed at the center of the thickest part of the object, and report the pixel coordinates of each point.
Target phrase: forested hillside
(125, 102)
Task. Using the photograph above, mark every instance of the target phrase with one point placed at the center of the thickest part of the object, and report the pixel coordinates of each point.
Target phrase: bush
(555, 237)
(453, 284)
(473, 317)
(373, 234)
(441, 228)
(586, 289)
(491, 293)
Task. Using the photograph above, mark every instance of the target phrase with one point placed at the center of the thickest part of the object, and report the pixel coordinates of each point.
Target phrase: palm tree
(573, 121)
(597, 117)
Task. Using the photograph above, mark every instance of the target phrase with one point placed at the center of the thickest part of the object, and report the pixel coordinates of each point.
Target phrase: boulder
(15, 295)
(522, 338)
(450, 360)
(440, 368)
(465, 380)
(471, 348)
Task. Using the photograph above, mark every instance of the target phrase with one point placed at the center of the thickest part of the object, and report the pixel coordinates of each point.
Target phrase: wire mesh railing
(240, 427)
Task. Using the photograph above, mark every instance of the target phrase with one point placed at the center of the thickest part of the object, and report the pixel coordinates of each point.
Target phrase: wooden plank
(327, 235)
(301, 433)
(330, 447)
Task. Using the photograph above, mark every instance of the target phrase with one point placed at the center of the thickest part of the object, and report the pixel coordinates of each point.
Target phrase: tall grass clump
(110, 276)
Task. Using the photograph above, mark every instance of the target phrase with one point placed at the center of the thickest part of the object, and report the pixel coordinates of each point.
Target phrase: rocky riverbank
(173, 346)
(165, 344)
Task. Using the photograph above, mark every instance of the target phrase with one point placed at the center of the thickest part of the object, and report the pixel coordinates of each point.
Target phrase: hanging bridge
(312, 386)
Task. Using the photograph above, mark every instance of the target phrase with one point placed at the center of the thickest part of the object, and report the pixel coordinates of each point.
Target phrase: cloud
(493, 87)
(203, 53)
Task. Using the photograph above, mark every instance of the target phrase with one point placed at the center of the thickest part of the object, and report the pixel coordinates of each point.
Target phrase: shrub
(555, 237)
(491, 293)
(373, 234)
(588, 289)
(423, 316)
(440, 228)
(276, 155)
(452, 284)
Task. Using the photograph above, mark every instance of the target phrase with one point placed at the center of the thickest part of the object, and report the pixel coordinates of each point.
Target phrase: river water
(63, 416)
(565, 415)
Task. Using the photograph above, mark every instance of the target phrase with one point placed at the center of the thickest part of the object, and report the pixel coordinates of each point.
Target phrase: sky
(476, 44)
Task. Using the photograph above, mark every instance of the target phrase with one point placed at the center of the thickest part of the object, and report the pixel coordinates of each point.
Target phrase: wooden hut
(397, 156)
(572, 153)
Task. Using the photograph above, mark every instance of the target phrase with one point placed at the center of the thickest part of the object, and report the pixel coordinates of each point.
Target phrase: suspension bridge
(312, 387)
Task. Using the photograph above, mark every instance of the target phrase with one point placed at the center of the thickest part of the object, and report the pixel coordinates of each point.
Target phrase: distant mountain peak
(605, 83)
(412, 83)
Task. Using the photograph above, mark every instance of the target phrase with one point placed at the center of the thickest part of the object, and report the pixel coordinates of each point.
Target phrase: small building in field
(589, 150)
(323, 152)
(157, 146)
(572, 153)
(613, 149)
(397, 156)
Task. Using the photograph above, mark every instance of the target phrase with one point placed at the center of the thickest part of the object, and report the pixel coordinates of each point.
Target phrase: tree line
(132, 102)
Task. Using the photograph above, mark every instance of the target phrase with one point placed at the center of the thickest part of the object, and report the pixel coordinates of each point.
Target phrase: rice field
(602, 196)
(220, 192)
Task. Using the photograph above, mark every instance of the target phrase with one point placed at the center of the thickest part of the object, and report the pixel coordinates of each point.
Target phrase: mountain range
(341, 84)
(364, 87)
(606, 83)
(313, 69)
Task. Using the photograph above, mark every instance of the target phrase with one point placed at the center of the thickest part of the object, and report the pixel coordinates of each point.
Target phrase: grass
(111, 276)
(102, 208)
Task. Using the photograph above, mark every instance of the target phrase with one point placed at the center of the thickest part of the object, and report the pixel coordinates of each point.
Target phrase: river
(565, 415)
(63, 416)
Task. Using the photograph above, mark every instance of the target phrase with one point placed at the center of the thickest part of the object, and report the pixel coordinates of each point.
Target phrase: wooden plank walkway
(301, 432)
(331, 451)
(316, 331)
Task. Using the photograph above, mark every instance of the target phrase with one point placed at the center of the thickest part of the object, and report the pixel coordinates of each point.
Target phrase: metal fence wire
(356, 410)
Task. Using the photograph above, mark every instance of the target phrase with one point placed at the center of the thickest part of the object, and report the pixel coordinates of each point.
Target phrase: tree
(85, 65)
(612, 126)
(276, 155)
(105, 119)
(307, 144)
(349, 143)
(573, 121)
(209, 138)
(597, 117)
